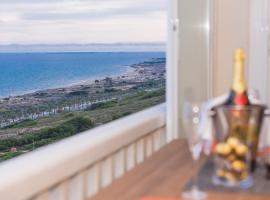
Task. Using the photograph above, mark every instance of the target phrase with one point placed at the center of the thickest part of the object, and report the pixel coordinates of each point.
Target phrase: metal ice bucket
(237, 130)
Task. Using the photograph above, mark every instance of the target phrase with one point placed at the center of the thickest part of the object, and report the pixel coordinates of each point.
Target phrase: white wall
(259, 48)
(231, 31)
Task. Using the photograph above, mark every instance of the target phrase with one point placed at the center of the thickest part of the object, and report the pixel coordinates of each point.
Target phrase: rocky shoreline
(137, 74)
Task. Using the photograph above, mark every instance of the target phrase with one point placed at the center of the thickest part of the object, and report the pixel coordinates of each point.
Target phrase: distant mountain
(95, 47)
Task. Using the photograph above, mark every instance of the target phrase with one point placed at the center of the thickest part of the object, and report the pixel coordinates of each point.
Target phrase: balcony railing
(80, 166)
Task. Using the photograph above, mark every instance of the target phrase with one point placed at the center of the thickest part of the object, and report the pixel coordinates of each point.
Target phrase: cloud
(32, 1)
(56, 21)
(91, 14)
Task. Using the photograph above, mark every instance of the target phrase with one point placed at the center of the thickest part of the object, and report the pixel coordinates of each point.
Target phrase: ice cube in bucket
(236, 138)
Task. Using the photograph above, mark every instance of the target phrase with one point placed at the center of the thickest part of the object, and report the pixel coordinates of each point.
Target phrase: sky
(82, 21)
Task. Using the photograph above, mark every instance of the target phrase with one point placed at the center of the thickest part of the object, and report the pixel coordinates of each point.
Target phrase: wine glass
(191, 121)
(254, 96)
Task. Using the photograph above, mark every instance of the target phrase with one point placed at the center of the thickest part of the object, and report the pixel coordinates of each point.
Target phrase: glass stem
(195, 177)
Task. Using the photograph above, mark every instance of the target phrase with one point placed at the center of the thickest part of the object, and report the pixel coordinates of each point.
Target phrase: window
(68, 65)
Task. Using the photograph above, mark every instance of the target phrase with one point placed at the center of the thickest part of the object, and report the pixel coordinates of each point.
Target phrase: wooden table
(163, 174)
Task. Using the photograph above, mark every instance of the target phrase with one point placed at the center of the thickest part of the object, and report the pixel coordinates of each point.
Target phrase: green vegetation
(23, 124)
(109, 90)
(78, 93)
(45, 136)
(117, 116)
(103, 105)
(50, 129)
(149, 95)
(9, 155)
(68, 115)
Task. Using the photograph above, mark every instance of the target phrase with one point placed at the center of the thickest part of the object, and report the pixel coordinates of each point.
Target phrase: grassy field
(31, 134)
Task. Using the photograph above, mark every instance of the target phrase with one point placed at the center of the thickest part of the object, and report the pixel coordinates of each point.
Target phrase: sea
(22, 73)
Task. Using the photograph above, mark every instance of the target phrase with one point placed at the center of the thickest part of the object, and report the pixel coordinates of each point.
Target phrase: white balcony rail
(78, 167)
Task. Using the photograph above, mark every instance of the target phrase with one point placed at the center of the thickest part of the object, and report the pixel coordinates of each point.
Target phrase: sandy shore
(136, 74)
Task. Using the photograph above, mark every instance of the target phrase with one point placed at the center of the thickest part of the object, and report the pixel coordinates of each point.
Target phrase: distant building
(108, 82)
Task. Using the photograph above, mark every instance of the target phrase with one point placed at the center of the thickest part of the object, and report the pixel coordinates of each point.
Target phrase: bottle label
(241, 100)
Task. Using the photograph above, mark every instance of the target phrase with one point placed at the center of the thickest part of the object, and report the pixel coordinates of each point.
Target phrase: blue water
(22, 73)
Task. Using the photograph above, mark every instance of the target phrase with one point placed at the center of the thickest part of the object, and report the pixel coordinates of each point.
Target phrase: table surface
(164, 174)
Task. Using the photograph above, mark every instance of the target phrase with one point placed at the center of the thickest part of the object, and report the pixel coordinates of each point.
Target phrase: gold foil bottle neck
(239, 83)
(239, 55)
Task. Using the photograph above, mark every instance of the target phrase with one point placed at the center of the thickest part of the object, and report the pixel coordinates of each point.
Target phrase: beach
(135, 74)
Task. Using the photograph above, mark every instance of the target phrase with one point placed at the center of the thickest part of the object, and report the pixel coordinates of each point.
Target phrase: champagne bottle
(238, 93)
(238, 97)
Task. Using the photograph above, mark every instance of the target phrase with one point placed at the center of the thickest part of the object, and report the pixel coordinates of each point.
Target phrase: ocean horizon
(93, 47)
(22, 73)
